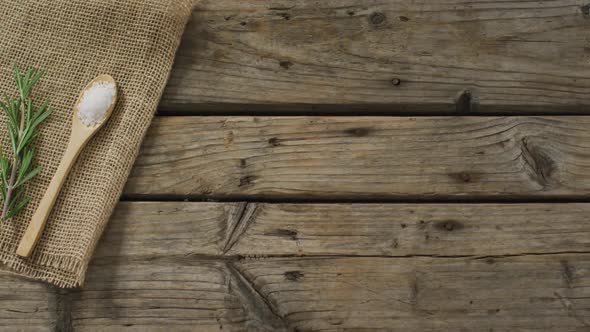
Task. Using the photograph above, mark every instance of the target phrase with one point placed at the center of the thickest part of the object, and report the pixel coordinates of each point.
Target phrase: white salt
(95, 102)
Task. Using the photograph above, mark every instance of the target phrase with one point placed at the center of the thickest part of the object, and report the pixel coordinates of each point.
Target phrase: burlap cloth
(74, 41)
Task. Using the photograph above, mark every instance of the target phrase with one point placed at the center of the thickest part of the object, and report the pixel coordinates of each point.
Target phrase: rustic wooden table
(352, 165)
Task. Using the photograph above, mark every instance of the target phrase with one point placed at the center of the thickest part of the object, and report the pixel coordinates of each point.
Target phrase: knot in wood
(377, 18)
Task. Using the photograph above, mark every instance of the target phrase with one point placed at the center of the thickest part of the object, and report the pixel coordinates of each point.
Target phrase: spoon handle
(37, 223)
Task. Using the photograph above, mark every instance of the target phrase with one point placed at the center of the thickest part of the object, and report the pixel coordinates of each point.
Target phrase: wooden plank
(364, 157)
(174, 228)
(249, 288)
(28, 305)
(531, 293)
(414, 229)
(159, 267)
(342, 55)
(157, 294)
(213, 229)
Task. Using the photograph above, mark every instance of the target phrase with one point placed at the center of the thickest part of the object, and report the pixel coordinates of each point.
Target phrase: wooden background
(352, 165)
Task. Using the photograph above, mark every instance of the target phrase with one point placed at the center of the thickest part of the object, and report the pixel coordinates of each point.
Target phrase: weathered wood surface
(531, 293)
(150, 229)
(272, 288)
(426, 294)
(27, 305)
(370, 157)
(157, 294)
(186, 266)
(343, 55)
(164, 266)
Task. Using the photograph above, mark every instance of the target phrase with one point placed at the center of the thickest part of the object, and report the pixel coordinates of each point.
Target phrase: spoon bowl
(76, 122)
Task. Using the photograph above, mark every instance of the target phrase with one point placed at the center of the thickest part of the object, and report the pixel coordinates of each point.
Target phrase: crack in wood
(63, 310)
(243, 257)
(539, 164)
(233, 220)
(238, 222)
(571, 311)
(410, 256)
(256, 304)
(522, 254)
(568, 273)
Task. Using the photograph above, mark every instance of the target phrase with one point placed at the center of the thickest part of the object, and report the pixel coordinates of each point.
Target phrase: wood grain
(28, 305)
(157, 294)
(531, 293)
(544, 293)
(414, 229)
(285, 267)
(364, 157)
(158, 229)
(388, 56)
(144, 230)
(526, 286)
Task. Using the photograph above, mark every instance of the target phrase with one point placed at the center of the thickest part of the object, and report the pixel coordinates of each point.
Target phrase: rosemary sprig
(23, 128)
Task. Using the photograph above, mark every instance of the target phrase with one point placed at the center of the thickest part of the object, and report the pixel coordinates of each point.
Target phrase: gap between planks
(405, 199)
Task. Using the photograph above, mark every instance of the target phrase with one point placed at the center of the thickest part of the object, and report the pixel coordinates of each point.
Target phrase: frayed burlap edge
(61, 277)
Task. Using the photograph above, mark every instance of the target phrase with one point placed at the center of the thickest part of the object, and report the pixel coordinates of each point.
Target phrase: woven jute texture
(73, 41)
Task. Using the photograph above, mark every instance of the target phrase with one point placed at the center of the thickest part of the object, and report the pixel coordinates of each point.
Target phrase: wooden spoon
(80, 135)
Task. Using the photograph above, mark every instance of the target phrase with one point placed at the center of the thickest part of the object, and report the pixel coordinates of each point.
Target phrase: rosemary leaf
(23, 122)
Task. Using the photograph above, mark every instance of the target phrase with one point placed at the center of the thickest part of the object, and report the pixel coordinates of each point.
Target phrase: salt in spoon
(82, 130)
